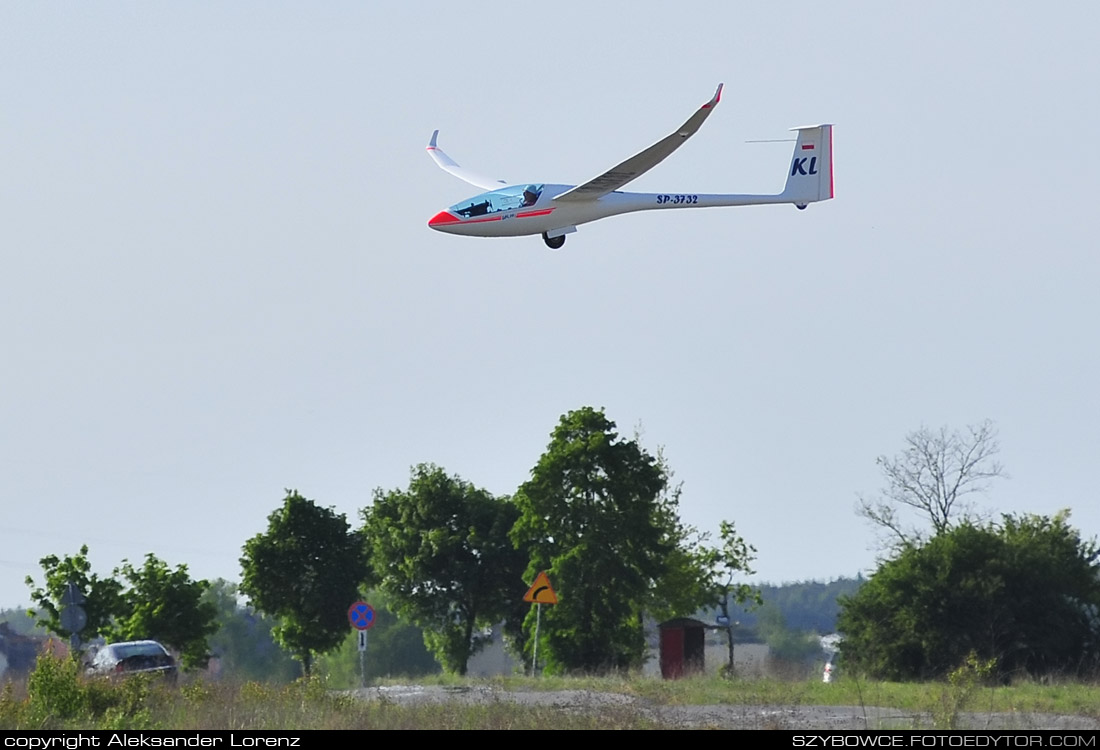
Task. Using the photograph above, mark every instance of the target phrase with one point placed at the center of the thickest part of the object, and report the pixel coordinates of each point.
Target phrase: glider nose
(442, 219)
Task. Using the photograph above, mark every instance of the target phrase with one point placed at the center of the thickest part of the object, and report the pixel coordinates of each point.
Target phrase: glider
(516, 209)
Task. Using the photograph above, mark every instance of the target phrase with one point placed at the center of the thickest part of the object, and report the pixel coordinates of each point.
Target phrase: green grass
(56, 696)
(1074, 698)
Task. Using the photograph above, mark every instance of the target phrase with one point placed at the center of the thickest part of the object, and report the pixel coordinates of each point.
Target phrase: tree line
(150, 601)
(599, 514)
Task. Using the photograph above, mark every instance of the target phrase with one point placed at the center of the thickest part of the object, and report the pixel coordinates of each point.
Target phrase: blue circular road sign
(361, 616)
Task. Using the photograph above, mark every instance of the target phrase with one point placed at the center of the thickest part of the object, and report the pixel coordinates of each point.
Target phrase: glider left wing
(642, 162)
(448, 164)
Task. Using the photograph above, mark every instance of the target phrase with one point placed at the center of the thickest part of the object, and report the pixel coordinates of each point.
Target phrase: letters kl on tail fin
(810, 175)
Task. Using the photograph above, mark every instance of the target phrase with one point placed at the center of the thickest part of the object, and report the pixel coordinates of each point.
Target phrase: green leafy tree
(165, 605)
(101, 595)
(1024, 593)
(702, 575)
(599, 516)
(306, 570)
(444, 559)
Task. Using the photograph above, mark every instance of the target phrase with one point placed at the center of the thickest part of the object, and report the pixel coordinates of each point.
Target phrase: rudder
(810, 174)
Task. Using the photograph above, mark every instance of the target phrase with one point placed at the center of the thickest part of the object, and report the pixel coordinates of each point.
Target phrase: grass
(926, 704)
(1071, 698)
(56, 696)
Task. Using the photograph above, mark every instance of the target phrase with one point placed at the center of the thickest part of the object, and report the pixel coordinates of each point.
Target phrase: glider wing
(642, 162)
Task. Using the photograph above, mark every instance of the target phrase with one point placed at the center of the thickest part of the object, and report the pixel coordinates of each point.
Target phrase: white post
(535, 656)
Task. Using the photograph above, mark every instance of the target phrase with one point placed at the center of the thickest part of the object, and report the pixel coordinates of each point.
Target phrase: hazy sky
(217, 281)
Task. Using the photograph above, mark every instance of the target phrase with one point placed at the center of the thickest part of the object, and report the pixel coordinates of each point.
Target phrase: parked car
(133, 657)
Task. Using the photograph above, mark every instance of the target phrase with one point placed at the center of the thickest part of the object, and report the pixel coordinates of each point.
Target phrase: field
(56, 697)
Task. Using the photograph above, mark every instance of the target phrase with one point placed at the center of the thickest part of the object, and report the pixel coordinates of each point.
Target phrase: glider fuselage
(504, 213)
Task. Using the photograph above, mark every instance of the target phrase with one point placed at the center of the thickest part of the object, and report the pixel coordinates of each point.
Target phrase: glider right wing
(642, 162)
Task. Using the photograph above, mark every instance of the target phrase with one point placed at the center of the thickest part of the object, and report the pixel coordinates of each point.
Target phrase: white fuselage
(547, 214)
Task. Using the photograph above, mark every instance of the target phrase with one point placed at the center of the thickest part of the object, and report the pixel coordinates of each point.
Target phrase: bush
(54, 690)
(1023, 593)
(58, 696)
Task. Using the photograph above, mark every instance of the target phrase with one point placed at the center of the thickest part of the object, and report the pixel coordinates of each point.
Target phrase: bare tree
(933, 475)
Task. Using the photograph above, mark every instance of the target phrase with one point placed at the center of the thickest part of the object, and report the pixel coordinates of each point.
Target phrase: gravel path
(722, 716)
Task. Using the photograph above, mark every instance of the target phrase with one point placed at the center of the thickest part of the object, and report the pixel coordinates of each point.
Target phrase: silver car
(133, 657)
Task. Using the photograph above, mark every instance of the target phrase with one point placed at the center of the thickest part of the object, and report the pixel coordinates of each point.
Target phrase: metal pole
(535, 657)
(362, 659)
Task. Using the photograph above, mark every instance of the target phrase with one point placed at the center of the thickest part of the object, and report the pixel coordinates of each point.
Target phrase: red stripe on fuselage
(446, 218)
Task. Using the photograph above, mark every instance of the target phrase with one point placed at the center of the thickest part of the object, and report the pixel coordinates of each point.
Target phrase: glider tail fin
(810, 175)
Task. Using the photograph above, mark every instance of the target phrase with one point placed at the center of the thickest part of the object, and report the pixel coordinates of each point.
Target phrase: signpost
(361, 617)
(541, 592)
(73, 616)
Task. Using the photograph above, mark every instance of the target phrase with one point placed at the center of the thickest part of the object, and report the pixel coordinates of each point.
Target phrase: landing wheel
(554, 243)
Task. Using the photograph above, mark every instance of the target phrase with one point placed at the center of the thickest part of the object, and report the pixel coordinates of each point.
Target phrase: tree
(591, 517)
(165, 605)
(1024, 592)
(101, 595)
(306, 570)
(444, 559)
(933, 475)
(598, 514)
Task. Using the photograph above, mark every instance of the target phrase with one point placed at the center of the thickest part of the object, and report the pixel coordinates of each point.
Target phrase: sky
(217, 281)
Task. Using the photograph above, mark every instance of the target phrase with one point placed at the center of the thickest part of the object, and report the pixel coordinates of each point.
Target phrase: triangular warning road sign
(541, 592)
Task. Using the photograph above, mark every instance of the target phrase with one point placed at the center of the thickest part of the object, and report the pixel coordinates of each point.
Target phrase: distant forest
(809, 606)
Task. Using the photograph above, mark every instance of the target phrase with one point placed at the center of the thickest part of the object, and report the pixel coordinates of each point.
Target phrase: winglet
(435, 134)
(717, 97)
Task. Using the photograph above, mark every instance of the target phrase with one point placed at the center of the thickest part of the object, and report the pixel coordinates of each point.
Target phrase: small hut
(682, 645)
